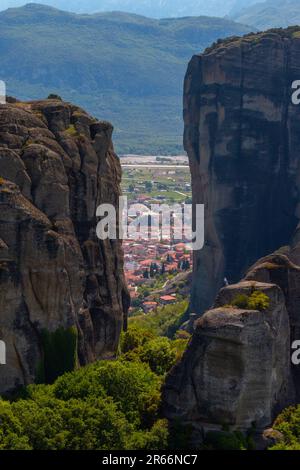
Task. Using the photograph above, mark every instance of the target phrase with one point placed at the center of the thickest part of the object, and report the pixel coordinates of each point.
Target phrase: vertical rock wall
(63, 298)
(242, 135)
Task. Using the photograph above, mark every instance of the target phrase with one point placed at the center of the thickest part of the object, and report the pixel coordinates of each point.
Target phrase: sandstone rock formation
(279, 268)
(237, 369)
(242, 137)
(63, 298)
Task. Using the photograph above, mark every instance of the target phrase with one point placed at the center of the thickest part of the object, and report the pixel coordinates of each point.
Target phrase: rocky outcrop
(236, 371)
(280, 268)
(242, 136)
(63, 297)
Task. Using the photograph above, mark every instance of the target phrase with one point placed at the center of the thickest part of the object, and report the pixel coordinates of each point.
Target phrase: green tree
(135, 337)
(159, 355)
(132, 385)
(12, 436)
(148, 186)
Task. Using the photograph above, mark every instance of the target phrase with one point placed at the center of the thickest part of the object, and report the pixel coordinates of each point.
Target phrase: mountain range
(270, 14)
(124, 68)
(151, 8)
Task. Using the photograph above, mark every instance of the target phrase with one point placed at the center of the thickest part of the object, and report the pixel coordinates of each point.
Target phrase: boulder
(236, 371)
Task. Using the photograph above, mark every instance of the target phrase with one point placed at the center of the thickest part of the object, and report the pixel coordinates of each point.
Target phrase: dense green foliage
(164, 321)
(123, 68)
(288, 423)
(130, 384)
(107, 405)
(255, 301)
(160, 353)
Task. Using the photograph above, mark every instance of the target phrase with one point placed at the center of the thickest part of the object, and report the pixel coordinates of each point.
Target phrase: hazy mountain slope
(124, 68)
(241, 4)
(152, 8)
(270, 14)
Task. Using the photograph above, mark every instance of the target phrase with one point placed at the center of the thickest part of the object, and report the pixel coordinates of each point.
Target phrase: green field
(154, 183)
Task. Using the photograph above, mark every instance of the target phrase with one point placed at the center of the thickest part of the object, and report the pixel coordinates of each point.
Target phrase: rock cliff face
(63, 297)
(237, 368)
(242, 134)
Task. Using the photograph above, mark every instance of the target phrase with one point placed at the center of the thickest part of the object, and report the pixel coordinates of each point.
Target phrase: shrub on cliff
(255, 301)
(53, 96)
(288, 424)
(258, 301)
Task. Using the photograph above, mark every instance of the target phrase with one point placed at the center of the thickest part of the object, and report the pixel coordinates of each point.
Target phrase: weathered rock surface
(242, 134)
(57, 164)
(236, 370)
(280, 269)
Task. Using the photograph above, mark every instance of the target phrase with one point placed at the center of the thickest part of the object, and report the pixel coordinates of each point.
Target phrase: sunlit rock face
(63, 297)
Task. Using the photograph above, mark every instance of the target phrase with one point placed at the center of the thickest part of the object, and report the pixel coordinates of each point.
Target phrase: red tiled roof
(147, 262)
(167, 298)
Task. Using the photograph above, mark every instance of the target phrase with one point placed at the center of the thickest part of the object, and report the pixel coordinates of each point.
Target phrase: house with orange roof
(149, 306)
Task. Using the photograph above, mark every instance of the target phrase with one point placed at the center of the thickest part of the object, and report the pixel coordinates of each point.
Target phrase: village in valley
(158, 271)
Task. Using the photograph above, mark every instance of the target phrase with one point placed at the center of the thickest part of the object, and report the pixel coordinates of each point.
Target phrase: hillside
(124, 68)
(270, 14)
(151, 8)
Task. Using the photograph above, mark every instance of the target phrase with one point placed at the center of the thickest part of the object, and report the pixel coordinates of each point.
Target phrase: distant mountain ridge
(124, 68)
(151, 8)
(270, 14)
